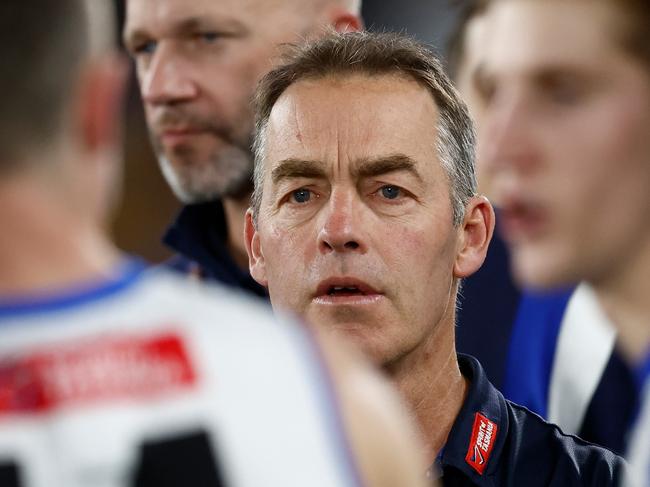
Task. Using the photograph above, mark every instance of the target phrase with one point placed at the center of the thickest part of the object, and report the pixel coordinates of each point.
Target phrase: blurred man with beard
(198, 63)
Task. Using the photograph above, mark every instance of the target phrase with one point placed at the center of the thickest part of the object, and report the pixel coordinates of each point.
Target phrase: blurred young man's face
(566, 135)
(197, 63)
(355, 230)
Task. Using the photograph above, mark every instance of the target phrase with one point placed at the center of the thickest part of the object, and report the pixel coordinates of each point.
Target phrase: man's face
(565, 134)
(355, 227)
(197, 64)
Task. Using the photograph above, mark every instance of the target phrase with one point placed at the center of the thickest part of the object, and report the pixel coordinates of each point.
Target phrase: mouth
(173, 136)
(346, 290)
(522, 220)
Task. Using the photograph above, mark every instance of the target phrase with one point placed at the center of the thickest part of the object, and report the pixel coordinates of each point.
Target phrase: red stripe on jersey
(94, 371)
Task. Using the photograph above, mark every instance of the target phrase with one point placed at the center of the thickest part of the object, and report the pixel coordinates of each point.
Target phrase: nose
(167, 79)
(341, 231)
(507, 137)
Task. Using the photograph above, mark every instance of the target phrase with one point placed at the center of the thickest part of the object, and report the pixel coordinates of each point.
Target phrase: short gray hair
(376, 54)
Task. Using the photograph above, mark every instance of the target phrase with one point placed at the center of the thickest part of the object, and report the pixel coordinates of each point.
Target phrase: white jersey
(153, 380)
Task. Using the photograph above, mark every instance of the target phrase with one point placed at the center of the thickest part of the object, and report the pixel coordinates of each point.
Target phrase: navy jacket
(200, 236)
(494, 442)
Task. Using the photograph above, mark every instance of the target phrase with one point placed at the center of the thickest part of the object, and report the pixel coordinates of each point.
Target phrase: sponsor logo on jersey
(484, 434)
(107, 369)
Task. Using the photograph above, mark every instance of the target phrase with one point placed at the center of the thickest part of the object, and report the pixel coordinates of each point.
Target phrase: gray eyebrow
(297, 168)
(365, 168)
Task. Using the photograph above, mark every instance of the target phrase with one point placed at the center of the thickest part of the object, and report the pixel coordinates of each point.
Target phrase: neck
(624, 297)
(431, 383)
(45, 245)
(235, 210)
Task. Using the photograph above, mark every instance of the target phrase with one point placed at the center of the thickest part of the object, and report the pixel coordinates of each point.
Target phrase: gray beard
(224, 173)
(227, 175)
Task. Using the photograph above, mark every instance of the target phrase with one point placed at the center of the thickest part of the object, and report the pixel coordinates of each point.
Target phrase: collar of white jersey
(125, 274)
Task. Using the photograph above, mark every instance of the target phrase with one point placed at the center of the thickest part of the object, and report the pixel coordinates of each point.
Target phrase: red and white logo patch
(104, 369)
(484, 435)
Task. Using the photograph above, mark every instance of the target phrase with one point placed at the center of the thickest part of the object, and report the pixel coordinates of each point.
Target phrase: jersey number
(177, 462)
(9, 475)
(173, 462)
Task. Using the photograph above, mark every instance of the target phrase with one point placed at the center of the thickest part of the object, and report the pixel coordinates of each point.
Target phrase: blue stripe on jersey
(329, 400)
(532, 349)
(643, 373)
(126, 273)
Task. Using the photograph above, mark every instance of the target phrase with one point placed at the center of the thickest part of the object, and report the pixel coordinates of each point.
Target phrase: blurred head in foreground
(59, 134)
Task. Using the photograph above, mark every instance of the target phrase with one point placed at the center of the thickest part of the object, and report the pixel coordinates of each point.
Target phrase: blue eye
(390, 192)
(301, 195)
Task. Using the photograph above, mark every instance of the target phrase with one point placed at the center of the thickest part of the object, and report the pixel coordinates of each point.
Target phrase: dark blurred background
(148, 205)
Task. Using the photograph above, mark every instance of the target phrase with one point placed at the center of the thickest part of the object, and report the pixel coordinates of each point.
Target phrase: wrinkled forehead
(165, 16)
(351, 118)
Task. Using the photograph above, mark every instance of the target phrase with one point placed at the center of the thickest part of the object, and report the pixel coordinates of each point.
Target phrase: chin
(359, 337)
(542, 272)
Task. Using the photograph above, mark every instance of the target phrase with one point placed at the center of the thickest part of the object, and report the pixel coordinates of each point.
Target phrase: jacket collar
(478, 435)
(200, 233)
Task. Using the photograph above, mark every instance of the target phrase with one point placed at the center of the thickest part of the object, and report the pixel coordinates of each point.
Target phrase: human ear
(256, 262)
(477, 229)
(346, 22)
(101, 92)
